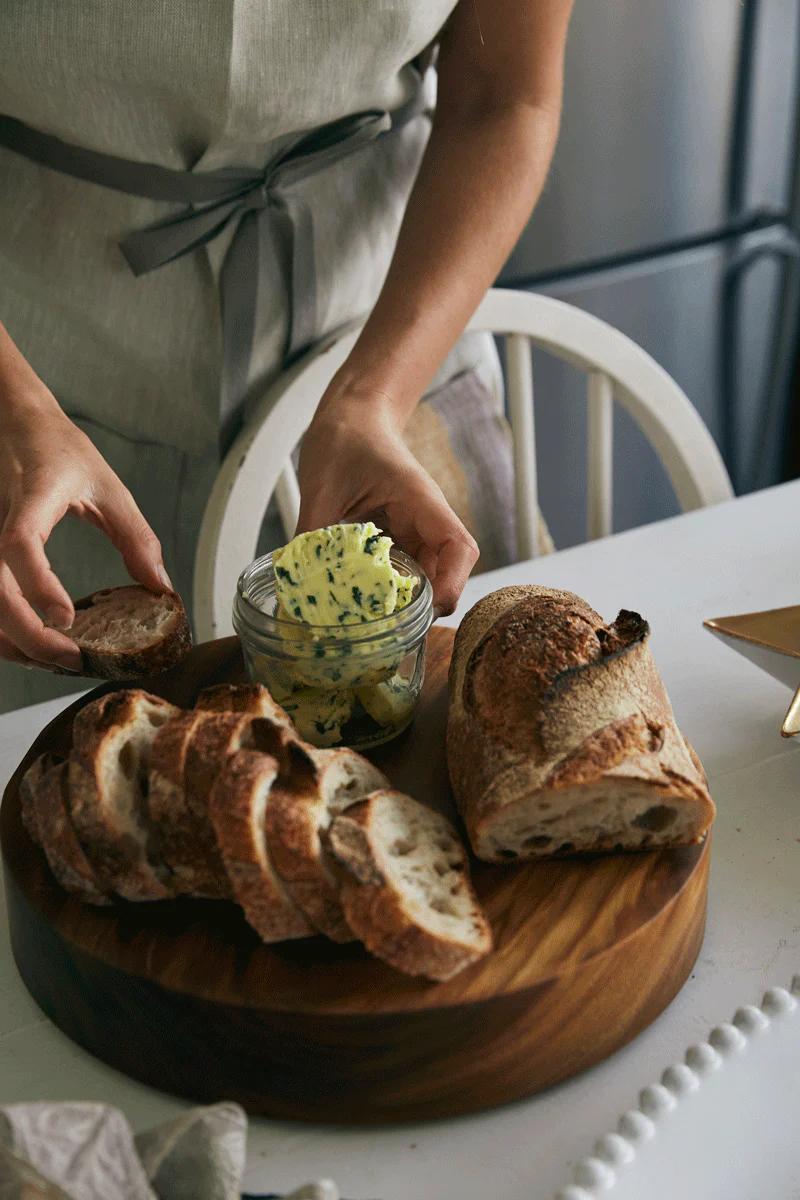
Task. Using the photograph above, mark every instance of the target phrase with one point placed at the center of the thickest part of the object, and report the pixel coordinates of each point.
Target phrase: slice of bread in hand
(127, 632)
(237, 807)
(405, 887)
(65, 855)
(299, 812)
(250, 698)
(108, 776)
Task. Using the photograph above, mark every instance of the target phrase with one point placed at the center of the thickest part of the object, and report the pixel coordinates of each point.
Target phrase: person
(157, 275)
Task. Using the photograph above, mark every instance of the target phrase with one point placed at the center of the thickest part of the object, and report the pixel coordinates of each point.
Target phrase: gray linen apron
(138, 362)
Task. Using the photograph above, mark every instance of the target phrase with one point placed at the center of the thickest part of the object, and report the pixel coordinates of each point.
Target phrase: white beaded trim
(598, 1172)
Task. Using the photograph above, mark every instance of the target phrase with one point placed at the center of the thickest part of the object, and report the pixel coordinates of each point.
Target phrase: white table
(740, 556)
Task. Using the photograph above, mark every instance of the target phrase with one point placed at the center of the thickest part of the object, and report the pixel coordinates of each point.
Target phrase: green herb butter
(340, 575)
(329, 583)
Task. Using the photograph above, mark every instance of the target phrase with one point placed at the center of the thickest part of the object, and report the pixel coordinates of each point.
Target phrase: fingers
(26, 631)
(457, 556)
(22, 544)
(115, 511)
(448, 551)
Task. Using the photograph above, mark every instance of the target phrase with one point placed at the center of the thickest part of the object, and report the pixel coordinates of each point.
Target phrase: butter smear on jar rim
(334, 624)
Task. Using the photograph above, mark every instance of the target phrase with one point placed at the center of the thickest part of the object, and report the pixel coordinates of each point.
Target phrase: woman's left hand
(355, 466)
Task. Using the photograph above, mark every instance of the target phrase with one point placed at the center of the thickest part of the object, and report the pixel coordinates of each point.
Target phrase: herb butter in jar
(334, 624)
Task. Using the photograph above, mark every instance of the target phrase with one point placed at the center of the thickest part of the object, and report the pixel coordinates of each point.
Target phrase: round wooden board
(183, 995)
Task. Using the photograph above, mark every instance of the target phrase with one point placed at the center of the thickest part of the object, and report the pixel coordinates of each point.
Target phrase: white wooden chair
(259, 462)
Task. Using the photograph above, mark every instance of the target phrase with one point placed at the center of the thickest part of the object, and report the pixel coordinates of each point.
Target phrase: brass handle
(791, 723)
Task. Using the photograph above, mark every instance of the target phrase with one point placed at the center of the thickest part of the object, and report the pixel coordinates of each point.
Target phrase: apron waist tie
(215, 200)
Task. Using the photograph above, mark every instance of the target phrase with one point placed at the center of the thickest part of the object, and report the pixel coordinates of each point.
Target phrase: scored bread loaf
(561, 738)
(405, 889)
(127, 632)
(107, 780)
(299, 812)
(237, 808)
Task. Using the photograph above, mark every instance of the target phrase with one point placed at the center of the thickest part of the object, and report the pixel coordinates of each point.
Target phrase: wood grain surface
(183, 996)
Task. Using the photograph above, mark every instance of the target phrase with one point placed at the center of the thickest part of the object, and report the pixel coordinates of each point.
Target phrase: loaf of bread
(561, 738)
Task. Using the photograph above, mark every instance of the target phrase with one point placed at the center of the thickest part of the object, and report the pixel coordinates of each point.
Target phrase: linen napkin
(80, 1151)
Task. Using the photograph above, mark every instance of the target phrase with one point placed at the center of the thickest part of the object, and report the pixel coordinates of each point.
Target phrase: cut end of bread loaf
(128, 632)
(608, 816)
(406, 891)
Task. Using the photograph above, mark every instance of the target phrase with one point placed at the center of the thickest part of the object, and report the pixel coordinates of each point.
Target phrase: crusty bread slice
(237, 808)
(251, 698)
(561, 738)
(28, 790)
(405, 886)
(300, 810)
(172, 822)
(108, 769)
(127, 632)
(65, 855)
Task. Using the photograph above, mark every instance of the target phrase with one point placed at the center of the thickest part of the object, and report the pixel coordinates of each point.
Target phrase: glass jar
(347, 685)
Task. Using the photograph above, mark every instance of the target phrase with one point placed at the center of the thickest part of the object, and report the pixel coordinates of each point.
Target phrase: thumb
(118, 515)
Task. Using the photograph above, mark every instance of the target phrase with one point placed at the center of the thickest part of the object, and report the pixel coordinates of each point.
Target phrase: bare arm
(496, 124)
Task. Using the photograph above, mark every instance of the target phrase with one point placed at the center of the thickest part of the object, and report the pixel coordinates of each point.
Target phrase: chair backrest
(259, 462)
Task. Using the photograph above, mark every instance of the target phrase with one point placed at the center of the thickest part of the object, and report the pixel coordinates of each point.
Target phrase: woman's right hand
(49, 468)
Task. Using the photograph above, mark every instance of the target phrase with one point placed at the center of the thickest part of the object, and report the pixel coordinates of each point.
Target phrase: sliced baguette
(107, 775)
(127, 632)
(66, 857)
(405, 887)
(237, 808)
(300, 810)
(251, 698)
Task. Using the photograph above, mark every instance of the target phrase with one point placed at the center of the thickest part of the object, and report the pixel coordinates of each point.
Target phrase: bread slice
(237, 808)
(127, 632)
(405, 887)
(301, 808)
(250, 698)
(561, 738)
(172, 823)
(29, 787)
(108, 774)
(65, 855)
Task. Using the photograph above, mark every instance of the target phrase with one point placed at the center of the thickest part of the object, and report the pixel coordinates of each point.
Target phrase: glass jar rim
(410, 622)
